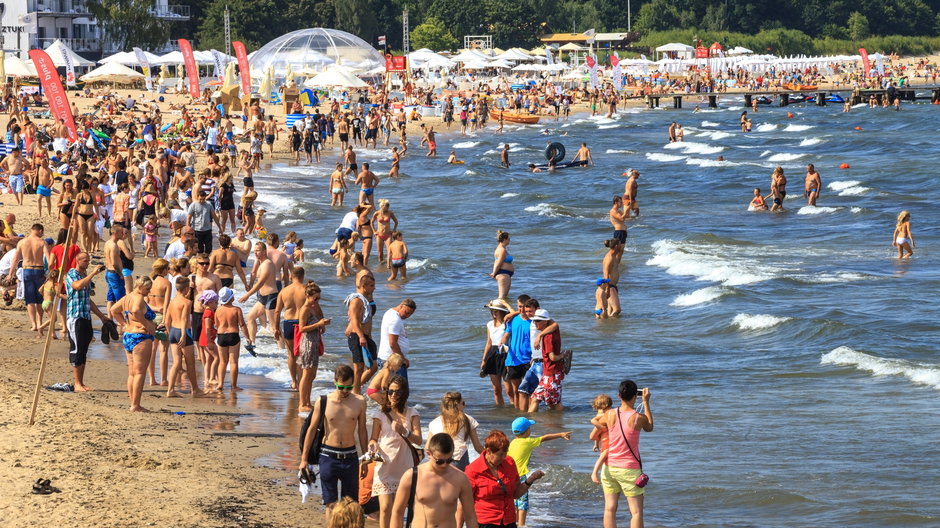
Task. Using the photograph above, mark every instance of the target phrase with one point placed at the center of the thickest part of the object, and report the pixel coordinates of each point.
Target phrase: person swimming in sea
(757, 203)
(452, 159)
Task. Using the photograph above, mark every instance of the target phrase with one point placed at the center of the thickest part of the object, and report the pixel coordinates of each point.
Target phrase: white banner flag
(145, 66)
(69, 68)
(548, 56)
(618, 77)
(219, 67)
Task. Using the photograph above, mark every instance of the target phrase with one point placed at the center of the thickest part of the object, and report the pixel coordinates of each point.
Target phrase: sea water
(792, 360)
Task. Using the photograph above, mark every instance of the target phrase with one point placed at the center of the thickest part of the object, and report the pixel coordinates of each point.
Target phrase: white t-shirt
(496, 332)
(7, 262)
(460, 443)
(392, 323)
(212, 136)
(350, 221)
(176, 250)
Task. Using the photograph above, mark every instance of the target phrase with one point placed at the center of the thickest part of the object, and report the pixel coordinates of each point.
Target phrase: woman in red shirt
(496, 485)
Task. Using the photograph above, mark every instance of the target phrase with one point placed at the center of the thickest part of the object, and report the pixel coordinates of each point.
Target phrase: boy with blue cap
(520, 449)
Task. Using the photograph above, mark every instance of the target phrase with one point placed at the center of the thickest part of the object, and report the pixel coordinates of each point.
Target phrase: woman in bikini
(503, 269)
(226, 200)
(224, 263)
(87, 212)
(134, 314)
(396, 161)
(66, 201)
(366, 231)
(384, 222)
(903, 239)
(337, 188)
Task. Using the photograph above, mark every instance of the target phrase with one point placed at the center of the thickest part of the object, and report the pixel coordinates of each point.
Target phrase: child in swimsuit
(902, 238)
(210, 300)
(151, 232)
(758, 203)
(397, 256)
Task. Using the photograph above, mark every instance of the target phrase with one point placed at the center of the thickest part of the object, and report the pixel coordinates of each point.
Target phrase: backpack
(566, 359)
(313, 457)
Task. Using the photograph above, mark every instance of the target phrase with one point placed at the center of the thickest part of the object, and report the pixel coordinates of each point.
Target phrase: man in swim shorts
(33, 253)
(629, 193)
(583, 157)
(618, 216)
(270, 133)
(114, 265)
(43, 184)
(13, 164)
(813, 185)
(291, 301)
(263, 283)
(368, 182)
(349, 158)
(360, 310)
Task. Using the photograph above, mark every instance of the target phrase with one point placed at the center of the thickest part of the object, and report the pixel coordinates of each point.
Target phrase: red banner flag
(614, 60)
(55, 93)
(865, 62)
(396, 63)
(590, 61)
(191, 70)
(242, 55)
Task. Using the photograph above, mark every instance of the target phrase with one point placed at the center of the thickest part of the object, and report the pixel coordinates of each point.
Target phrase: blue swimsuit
(132, 339)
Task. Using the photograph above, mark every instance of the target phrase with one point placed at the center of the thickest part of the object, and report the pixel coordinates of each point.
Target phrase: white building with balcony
(28, 24)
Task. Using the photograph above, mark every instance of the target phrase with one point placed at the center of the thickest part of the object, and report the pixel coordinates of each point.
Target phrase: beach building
(26, 24)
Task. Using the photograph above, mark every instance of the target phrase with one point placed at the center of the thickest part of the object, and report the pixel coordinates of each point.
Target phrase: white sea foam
(856, 210)
(758, 321)
(716, 134)
(605, 127)
(469, 172)
(547, 209)
(785, 156)
(509, 195)
(842, 276)
(841, 185)
(658, 156)
(491, 151)
(765, 127)
(691, 147)
(919, 373)
(709, 124)
(709, 162)
(465, 144)
(620, 151)
(797, 128)
(809, 210)
(708, 262)
(700, 296)
(413, 264)
(854, 191)
(275, 203)
(810, 142)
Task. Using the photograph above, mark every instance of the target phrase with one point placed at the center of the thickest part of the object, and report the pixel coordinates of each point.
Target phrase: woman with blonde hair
(503, 268)
(134, 314)
(379, 383)
(384, 222)
(346, 513)
(903, 239)
(461, 427)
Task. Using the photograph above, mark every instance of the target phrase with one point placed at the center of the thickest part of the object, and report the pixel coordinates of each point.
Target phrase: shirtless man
(504, 157)
(263, 282)
(177, 321)
(14, 165)
(159, 299)
(114, 264)
(282, 265)
(432, 144)
(610, 270)
(396, 163)
(629, 193)
(349, 159)
(368, 182)
(290, 300)
(618, 216)
(61, 140)
(584, 156)
(44, 185)
(361, 309)
(440, 491)
(32, 251)
(342, 129)
(813, 185)
(270, 133)
(224, 263)
(241, 246)
(672, 132)
(337, 186)
(345, 417)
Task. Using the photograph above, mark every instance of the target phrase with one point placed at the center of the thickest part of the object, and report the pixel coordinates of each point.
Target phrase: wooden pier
(905, 93)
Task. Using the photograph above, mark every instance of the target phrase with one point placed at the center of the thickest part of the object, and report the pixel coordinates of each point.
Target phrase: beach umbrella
(288, 75)
(333, 77)
(230, 75)
(265, 89)
(112, 72)
(17, 67)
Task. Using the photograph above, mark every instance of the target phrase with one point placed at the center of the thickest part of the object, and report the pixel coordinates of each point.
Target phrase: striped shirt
(79, 301)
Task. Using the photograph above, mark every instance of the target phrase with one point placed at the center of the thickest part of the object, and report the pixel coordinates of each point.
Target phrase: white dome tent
(318, 47)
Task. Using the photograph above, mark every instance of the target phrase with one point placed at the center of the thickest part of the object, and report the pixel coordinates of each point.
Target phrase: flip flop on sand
(44, 487)
(251, 350)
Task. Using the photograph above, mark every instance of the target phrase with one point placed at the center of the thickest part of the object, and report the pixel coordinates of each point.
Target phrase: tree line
(780, 26)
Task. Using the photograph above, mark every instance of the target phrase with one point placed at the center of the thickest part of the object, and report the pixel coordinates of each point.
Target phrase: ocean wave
(785, 156)
(709, 162)
(700, 296)
(716, 135)
(605, 127)
(708, 262)
(276, 204)
(551, 210)
(757, 322)
(620, 151)
(691, 147)
(765, 127)
(854, 191)
(658, 156)
(810, 210)
(810, 142)
(842, 185)
(465, 144)
(797, 128)
(856, 210)
(509, 195)
(710, 124)
(919, 373)
(413, 264)
(843, 276)
(469, 172)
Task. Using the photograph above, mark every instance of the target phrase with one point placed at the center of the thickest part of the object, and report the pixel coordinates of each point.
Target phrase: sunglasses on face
(442, 461)
(203, 263)
(394, 391)
(344, 387)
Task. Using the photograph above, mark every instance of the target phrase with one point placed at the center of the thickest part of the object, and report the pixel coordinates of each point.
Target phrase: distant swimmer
(629, 193)
(583, 157)
(680, 134)
(672, 132)
(902, 238)
(608, 295)
(720, 158)
(813, 185)
(618, 216)
(847, 106)
(778, 189)
(754, 104)
(757, 203)
(504, 157)
(452, 159)
(744, 122)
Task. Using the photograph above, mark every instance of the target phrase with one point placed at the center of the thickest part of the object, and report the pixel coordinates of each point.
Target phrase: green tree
(254, 22)
(357, 17)
(433, 35)
(858, 26)
(130, 23)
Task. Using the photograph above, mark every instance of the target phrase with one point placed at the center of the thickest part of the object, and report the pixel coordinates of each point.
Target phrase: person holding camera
(623, 472)
(79, 308)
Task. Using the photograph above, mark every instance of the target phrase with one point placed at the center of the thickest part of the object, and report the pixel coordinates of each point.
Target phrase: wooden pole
(54, 312)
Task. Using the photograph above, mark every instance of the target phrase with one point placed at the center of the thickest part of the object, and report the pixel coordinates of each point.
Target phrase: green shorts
(617, 480)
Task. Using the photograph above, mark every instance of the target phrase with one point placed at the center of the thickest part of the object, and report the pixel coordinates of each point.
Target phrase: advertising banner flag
(242, 55)
(192, 72)
(55, 92)
(145, 66)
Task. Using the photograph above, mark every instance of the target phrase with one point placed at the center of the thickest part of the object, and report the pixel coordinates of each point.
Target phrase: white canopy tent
(514, 54)
(14, 66)
(679, 49)
(112, 72)
(334, 78)
(129, 58)
(57, 51)
(738, 50)
(470, 55)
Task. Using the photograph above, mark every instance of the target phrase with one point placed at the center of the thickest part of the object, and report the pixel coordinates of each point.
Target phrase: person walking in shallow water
(503, 268)
(902, 237)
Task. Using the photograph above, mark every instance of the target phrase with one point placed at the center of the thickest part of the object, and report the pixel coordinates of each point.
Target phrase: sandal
(44, 487)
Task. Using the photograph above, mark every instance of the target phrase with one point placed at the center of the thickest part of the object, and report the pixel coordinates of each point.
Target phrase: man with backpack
(337, 421)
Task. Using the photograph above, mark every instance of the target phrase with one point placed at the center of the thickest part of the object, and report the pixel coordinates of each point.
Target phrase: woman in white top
(494, 360)
(460, 426)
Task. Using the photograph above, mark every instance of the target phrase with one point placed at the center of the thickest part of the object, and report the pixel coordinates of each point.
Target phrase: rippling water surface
(792, 359)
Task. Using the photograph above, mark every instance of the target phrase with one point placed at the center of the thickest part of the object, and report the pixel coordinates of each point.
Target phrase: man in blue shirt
(517, 336)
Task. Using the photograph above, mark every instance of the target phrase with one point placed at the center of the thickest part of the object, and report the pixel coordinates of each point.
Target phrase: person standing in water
(504, 157)
(618, 218)
(629, 194)
(813, 185)
(903, 239)
(778, 189)
(503, 268)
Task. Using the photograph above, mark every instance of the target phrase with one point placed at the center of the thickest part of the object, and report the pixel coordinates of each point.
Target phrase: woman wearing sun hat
(494, 359)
